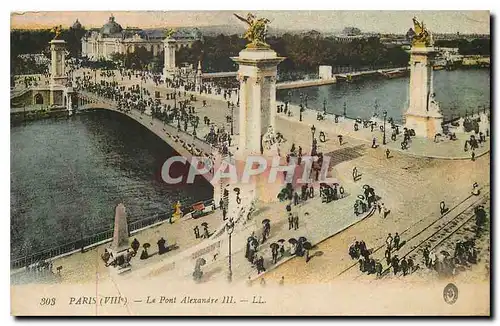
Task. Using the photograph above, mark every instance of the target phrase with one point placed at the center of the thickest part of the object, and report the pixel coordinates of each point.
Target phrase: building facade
(111, 38)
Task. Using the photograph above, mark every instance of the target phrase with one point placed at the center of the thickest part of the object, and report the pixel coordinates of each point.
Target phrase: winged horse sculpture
(256, 32)
(422, 36)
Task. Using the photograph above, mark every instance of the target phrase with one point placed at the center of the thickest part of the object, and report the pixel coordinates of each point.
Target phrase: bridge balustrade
(90, 241)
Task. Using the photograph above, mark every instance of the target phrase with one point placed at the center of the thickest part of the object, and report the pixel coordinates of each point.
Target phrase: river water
(68, 175)
(456, 91)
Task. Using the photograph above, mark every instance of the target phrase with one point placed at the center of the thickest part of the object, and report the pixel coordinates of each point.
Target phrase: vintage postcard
(263, 163)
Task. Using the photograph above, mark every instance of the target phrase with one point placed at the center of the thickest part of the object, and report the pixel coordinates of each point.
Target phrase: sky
(367, 21)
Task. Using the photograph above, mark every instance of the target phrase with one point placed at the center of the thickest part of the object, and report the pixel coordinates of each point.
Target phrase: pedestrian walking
(385, 210)
(404, 266)
(387, 256)
(475, 189)
(426, 256)
(432, 258)
(135, 245)
(274, 252)
(355, 174)
(397, 239)
(290, 221)
(388, 242)
(260, 265)
(387, 153)
(395, 264)
(295, 221)
(206, 234)
(196, 230)
(442, 207)
(378, 269)
(410, 265)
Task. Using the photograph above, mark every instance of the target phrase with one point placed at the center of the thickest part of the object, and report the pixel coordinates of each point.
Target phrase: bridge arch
(38, 98)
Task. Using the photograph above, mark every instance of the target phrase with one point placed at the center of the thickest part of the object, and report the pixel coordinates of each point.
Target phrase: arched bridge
(182, 142)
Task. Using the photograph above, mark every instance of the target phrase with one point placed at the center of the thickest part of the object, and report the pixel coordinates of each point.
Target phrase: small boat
(342, 78)
(394, 73)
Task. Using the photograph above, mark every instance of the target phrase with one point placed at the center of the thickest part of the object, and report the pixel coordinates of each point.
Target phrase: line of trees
(141, 59)
(37, 41)
(303, 52)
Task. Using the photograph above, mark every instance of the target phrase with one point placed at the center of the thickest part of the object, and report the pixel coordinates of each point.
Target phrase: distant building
(77, 25)
(311, 34)
(39, 58)
(112, 38)
(397, 40)
(349, 38)
(351, 31)
(457, 36)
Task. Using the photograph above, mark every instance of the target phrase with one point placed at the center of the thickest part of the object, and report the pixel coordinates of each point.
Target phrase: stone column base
(168, 73)
(424, 126)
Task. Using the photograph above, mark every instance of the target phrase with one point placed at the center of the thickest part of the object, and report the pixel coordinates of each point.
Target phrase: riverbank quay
(84, 266)
(33, 113)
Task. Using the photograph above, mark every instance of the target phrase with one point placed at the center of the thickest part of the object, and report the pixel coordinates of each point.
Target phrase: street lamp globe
(230, 226)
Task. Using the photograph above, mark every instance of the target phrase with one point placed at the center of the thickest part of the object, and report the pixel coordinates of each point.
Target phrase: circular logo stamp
(450, 293)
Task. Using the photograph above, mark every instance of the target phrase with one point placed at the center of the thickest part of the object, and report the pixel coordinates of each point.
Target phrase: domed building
(111, 28)
(77, 25)
(101, 43)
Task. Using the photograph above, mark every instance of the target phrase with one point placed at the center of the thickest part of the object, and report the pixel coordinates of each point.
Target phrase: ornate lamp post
(345, 109)
(229, 230)
(313, 131)
(141, 88)
(324, 106)
(232, 119)
(385, 116)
